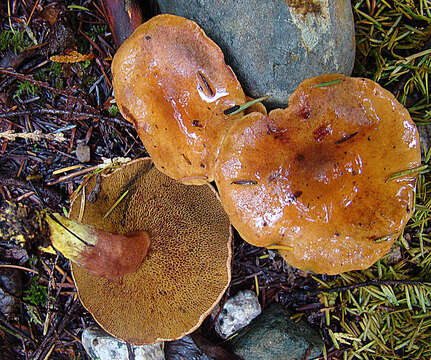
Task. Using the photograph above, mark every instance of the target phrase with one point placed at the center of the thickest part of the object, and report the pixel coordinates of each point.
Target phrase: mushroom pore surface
(313, 176)
(186, 270)
(171, 82)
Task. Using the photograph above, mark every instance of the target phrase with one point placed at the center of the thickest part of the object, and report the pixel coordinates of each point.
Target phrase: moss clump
(36, 294)
(14, 40)
(25, 88)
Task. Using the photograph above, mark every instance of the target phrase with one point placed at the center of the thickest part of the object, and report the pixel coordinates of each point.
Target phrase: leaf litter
(380, 313)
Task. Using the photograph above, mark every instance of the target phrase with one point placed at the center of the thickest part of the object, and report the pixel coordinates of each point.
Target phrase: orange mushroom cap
(170, 80)
(313, 177)
(188, 266)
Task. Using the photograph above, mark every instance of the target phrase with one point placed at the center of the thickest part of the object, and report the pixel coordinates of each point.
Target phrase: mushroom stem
(101, 253)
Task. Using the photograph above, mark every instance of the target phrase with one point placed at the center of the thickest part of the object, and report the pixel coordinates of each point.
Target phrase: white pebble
(102, 346)
(237, 312)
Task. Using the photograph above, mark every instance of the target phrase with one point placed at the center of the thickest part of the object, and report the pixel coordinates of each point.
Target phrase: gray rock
(238, 311)
(274, 336)
(10, 290)
(425, 137)
(83, 152)
(183, 349)
(273, 45)
(102, 346)
(394, 255)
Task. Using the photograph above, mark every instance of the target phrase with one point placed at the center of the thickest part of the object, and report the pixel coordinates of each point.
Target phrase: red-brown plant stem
(123, 17)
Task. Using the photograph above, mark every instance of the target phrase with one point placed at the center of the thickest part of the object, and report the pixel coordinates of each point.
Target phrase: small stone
(425, 138)
(83, 152)
(238, 311)
(10, 285)
(394, 256)
(183, 349)
(274, 336)
(102, 346)
(274, 45)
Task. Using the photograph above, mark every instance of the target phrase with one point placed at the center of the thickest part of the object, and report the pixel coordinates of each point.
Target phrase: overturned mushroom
(187, 268)
(171, 81)
(312, 178)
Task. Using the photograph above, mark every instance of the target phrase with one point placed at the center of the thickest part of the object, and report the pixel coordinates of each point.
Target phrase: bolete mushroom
(188, 265)
(170, 80)
(312, 179)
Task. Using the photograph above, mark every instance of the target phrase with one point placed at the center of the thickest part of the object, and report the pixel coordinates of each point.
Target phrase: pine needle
(115, 204)
(238, 108)
(279, 247)
(329, 83)
(407, 172)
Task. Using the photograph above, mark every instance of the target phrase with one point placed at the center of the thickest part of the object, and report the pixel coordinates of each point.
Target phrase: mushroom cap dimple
(313, 176)
(187, 269)
(170, 80)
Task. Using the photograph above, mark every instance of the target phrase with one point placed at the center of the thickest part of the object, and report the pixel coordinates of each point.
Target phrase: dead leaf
(50, 14)
(71, 57)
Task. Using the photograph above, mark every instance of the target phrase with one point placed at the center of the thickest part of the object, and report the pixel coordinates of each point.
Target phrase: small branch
(65, 112)
(19, 268)
(123, 17)
(35, 136)
(56, 329)
(38, 83)
(53, 197)
(17, 332)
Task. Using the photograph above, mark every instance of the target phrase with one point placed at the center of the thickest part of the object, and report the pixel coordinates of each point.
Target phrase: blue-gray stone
(425, 138)
(274, 336)
(183, 349)
(273, 45)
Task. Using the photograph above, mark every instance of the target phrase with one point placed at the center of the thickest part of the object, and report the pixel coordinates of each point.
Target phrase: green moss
(97, 30)
(113, 110)
(54, 69)
(37, 294)
(25, 88)
(85, 64)
(51, 74)
(15, 41)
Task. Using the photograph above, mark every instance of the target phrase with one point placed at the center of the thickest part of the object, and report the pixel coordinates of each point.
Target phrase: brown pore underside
(187, 268)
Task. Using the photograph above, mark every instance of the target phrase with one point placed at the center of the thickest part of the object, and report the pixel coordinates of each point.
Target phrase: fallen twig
(35, 136)
(38, 83)
(65, 112)
(50, 193)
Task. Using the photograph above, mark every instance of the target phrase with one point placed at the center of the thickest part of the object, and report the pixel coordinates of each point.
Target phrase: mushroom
(188, 265)
(312, 179)
(170, 80)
